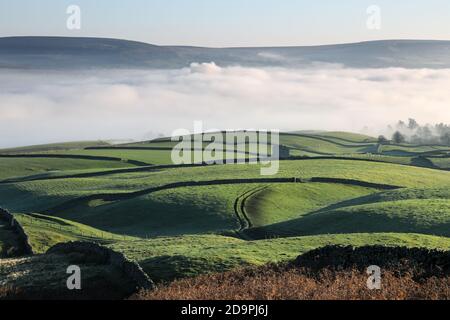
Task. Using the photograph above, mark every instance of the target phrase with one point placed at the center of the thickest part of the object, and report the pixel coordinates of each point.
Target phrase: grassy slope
(280, 202)
(359, 170)
(45, 231)
(203, 209)
(40, 195)
(429, 216)
(210, 209)
(316, 143)
(148, 156)
(171, 212)
(324, 146)
(405, 210)
(55, 146)
(18, 167)
(413, 148)
(166, 258)
(347, 136)
(169, 258)
(443, 163)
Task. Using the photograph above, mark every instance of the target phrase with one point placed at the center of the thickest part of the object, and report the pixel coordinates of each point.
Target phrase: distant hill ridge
(75, 53)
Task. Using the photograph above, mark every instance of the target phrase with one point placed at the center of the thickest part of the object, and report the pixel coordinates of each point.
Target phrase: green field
(76, 145)
(178, 221)
(165, 259)
(32, 167)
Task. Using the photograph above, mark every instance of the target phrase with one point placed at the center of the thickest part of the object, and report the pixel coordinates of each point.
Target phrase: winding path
(239, 207)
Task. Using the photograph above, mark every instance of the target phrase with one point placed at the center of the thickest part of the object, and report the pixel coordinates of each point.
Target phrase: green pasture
(228, 215)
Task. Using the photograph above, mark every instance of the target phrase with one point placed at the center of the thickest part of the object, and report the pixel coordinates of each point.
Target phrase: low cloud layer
(38, 107)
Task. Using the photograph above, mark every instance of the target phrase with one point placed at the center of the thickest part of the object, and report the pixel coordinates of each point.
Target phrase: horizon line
(233, 47)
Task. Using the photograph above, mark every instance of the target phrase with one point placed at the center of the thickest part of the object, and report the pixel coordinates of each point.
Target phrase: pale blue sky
(230, 22)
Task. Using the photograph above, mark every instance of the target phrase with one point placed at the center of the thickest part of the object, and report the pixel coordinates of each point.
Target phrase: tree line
(412, 132)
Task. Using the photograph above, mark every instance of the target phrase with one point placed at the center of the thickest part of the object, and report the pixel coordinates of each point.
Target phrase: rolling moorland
(87, 53)
(180, 221)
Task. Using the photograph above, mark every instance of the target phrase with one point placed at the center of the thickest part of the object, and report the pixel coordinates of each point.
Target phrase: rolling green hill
(177, 221)
(426, 216)
(277, 202)
(91, 200)
(19, 167)
(169, 258)
(45, 231)
(158, 152)
(54, 146)
(347, 136)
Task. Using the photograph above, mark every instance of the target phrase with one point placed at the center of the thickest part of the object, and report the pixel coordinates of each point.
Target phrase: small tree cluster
(398, 137)
(411, 131)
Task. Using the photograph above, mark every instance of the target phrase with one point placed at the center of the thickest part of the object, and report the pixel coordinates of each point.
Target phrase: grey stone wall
(102, 255)
(25, 246)
(420, 261)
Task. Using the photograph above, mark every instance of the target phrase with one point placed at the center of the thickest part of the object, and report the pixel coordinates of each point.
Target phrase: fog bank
(42, 106)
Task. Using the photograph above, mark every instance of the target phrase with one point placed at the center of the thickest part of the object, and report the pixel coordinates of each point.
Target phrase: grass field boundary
(70, 230)
(130, 195)
(169, 149)
(128, 148)
(416, 154)
(149, 168)
(330, 140)
(79, 157)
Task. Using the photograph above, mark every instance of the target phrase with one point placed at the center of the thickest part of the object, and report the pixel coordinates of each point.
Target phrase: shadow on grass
(163, 269)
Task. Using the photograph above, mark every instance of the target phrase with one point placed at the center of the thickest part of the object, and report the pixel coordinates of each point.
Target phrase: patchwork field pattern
(180, 221)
